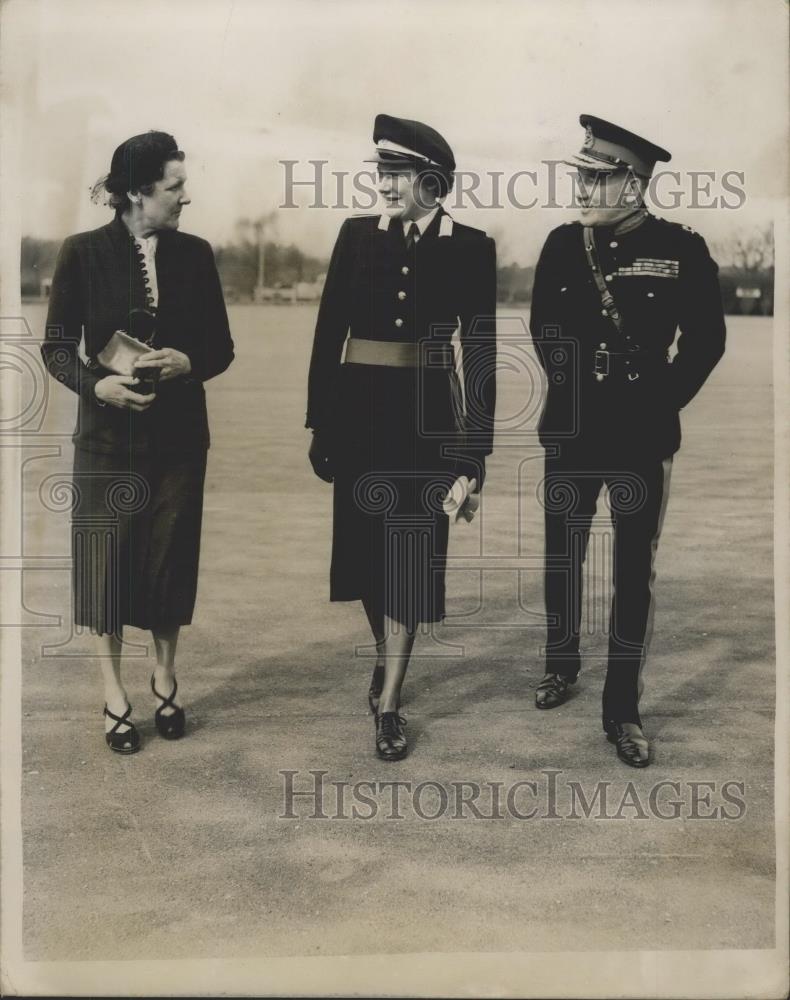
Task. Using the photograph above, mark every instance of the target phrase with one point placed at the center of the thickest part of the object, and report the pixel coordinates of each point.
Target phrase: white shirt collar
(422, 223)
(148, 241)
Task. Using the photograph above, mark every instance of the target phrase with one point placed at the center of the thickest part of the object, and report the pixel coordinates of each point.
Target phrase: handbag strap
(142, 325)
(607, 299)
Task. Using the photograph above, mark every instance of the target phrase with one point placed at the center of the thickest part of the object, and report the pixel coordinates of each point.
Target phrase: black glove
(473, 466)
(320, 456)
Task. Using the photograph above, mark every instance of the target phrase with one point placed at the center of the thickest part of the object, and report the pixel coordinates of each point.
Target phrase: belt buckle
(601, 366)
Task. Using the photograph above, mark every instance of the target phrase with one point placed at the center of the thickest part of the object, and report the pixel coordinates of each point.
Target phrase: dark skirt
(394, 463)
(136, 539)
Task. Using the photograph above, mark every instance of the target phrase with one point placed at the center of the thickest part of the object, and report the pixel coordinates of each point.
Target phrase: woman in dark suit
(140, 442)
(388, 423)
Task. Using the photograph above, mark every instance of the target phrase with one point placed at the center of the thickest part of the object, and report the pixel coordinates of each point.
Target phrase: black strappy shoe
(390, 738)
(128, 742)
(169, 727)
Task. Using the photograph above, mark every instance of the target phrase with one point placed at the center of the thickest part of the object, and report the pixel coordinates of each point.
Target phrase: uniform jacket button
(399, 322)
(401, 295)
(614, 244)
(602, 347)
(608, 277)
(404, 270)
(651, 295)
(604, 312)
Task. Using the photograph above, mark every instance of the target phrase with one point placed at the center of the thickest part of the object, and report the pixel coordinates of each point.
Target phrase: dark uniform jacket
(97, 282)
(662, 278)
(377, 290)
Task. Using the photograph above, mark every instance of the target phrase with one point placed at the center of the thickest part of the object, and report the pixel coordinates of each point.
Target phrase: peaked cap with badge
(406, 143)
(608, 147)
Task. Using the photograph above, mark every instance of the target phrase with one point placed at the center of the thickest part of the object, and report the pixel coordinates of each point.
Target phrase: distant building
(747, 293)
(308, 291)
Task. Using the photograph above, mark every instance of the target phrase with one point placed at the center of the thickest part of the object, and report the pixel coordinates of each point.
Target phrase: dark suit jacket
(662, 278)
(97, 282)
(377, 290)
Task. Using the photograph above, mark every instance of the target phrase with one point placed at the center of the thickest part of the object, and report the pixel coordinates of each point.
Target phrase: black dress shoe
(631, 743)
(126, 742)
(553, 690)
(390, 738)
(169, 727)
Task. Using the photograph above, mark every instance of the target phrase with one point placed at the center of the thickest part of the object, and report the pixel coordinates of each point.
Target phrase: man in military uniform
(387, 418)
(610, 293)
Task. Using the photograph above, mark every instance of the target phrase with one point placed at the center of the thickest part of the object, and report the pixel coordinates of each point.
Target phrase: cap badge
(589, 138)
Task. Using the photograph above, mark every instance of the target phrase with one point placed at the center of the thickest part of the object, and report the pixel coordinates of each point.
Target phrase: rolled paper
(461, 500)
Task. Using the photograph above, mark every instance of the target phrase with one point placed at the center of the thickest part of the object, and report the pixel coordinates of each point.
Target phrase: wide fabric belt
(399, 354)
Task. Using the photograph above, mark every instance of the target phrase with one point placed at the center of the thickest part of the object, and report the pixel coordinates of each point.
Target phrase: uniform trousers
(637, 495)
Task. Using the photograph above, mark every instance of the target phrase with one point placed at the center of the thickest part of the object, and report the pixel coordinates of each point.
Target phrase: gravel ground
(193, 849)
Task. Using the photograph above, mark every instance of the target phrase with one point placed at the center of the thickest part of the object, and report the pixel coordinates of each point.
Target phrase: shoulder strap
(446, 224)
(607, 299)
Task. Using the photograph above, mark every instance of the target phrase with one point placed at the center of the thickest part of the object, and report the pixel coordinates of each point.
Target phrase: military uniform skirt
(136, 524)
(389, 543)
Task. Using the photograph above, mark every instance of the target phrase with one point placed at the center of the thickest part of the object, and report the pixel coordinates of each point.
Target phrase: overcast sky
(245, 84)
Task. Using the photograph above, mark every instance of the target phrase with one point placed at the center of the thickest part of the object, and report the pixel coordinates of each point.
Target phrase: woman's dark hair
(438, 181)
(136, 164)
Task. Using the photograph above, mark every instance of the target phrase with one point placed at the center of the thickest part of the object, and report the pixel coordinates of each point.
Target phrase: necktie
(412, 235)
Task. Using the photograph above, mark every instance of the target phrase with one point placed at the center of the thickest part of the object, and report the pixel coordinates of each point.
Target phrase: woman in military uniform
(388, 423)
(141, 439)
